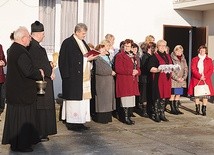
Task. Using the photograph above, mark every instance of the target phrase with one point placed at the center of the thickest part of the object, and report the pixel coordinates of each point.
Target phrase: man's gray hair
(80, 26)
(20, 33)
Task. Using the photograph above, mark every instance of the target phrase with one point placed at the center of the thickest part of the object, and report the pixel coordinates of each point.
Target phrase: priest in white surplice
(76, 83)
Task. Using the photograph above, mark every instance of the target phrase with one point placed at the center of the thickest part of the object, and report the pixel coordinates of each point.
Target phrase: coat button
(79, 62)
(78, 71)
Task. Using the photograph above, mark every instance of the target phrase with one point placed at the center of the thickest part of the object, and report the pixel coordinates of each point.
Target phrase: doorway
(189, 37)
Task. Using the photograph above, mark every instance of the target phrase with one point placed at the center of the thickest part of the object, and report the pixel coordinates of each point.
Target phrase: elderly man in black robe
(20, 121)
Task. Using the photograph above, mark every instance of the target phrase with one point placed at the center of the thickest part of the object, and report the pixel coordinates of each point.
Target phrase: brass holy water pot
(41, 85)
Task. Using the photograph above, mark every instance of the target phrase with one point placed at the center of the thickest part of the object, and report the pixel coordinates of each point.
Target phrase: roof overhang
(196, 5)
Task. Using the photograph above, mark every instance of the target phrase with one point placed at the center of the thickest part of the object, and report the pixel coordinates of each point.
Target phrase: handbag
(201, 90)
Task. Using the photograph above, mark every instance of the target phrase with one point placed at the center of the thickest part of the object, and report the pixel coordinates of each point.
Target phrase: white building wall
(208, 21)
(123, 18)
(139, 18)
(15, 13)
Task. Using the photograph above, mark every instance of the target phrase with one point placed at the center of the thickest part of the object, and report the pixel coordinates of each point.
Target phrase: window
(47, 17)
(68, 15)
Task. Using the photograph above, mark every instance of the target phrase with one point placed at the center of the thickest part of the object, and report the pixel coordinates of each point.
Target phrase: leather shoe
(77, 129)
(132, 115)
(26, 150)
(29, 149)
(44, 139)
(84, 127)
(74, 127)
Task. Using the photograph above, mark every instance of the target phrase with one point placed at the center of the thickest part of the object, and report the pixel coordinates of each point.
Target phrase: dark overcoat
(21, 76)
(20, 120)
(40, 61)
(159, 83)
(71, 69)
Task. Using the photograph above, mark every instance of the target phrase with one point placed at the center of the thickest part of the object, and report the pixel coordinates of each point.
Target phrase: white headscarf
(201, 63)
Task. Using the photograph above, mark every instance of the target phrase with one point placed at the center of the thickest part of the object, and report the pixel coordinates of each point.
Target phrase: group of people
(118, 81)
(96, 82)
(30, 117)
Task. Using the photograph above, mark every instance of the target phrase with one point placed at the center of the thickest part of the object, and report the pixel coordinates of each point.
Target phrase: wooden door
(187, 36)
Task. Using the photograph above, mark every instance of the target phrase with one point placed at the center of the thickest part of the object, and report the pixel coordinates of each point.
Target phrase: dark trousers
(2, 97)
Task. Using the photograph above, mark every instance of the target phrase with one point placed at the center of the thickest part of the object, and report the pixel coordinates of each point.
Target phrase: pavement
(186, 134)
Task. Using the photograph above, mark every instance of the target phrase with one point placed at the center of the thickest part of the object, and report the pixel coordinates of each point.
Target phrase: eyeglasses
(161, 45)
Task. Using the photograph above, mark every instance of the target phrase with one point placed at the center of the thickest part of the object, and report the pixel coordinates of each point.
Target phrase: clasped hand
(2, 63)
(135, 72)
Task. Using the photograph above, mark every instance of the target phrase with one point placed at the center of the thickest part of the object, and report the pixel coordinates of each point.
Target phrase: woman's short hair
(99, 46)
(177, 47)
(134, 45)
(128, 41)
(203, 47)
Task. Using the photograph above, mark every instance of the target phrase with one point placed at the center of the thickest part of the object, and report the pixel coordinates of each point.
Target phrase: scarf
(86, 71)
(106, 58)
(201, 63)
(179, 57)
(166, 60)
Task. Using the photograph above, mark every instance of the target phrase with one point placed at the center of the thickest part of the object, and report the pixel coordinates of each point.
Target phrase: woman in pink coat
(201, 70)
(127, 71)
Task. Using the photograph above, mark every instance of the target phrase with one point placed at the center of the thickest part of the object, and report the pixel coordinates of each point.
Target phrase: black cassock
(46, 113)
(20, 121)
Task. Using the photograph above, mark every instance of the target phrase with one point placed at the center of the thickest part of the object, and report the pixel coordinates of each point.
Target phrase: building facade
(122, 18)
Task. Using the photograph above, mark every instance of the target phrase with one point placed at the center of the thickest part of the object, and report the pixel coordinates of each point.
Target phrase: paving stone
(185, 134)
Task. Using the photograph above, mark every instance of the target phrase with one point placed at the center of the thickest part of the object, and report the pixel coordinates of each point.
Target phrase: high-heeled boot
(144, 110)
(127, 117)
(130, 111)
(197, 108)
(172, 106)
(156, 111)
(131, 108)
(162, 111)
(176, 104)
(203, 110)
(167, 101)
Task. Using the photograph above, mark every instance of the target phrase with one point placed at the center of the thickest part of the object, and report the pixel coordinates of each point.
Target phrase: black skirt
(20, 126)
(103, 117)
(46, 121)
(46, 111)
